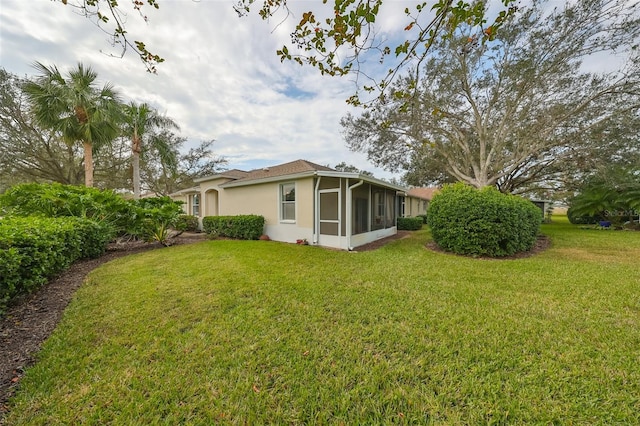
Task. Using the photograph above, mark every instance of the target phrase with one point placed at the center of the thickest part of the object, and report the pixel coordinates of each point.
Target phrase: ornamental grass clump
(484, 222)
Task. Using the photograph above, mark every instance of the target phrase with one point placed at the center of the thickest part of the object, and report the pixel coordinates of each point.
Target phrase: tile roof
(234, 173)
(426, 193)
(291, 168)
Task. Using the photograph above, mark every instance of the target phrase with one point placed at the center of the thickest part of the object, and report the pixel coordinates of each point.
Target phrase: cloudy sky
(221, 80)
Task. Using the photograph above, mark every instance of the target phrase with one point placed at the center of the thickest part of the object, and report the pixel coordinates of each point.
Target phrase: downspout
(349, 213)
(316, 211)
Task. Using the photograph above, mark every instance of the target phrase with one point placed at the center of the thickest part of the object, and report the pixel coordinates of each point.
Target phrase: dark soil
(31, 319)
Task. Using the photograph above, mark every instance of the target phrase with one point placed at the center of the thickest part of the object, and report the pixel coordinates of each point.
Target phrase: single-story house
(301, 200)
(418, 200)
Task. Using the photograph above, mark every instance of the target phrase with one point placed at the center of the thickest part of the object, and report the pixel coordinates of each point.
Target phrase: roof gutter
(316, 210)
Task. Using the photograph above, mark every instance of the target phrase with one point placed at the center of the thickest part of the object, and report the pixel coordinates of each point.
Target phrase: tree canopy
(33, 152)
(517, 112)
(139, 122)
(76, 107)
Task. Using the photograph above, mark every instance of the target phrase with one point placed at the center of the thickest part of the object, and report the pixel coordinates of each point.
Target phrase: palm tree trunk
(88, 163)
(136, 175)
(136, 148)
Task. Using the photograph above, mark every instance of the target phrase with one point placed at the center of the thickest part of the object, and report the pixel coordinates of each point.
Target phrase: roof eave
(235, 183)
(311, 173)
(213, 177)
(192, 190)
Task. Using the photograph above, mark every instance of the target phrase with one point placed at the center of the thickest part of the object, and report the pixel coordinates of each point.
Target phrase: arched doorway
(211, 203)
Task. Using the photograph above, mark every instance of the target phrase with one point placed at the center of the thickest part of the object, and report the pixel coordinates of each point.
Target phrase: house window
(195, 205)
(288, 201)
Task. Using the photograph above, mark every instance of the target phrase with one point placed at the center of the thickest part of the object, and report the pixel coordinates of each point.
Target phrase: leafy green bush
(58, 200)
(483, 222)
(244, 227)
(423, 217)
(137, 218)
(187, 222)
(32, 249)
(410, 223)
(153, 214)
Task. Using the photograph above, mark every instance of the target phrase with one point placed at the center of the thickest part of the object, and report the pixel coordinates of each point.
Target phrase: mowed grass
(234, 332)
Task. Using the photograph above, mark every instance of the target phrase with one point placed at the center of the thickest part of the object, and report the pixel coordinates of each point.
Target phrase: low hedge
(483, 222)
(243, 227)
(187, 222)
(33, 249)
(410, 223)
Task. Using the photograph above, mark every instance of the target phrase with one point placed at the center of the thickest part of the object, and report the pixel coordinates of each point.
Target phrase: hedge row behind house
(243, 227)
(33, 249)
(410, 223)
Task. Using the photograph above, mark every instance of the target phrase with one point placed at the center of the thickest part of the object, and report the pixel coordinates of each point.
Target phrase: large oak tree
(516, 111)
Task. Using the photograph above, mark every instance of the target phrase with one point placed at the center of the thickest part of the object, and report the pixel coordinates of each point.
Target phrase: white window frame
(282, 202)
(195, 205)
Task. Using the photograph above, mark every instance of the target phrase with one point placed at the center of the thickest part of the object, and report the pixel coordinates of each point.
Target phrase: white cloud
(221, 79)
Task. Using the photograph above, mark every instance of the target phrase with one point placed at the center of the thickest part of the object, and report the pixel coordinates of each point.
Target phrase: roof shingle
(426, 193)
(291, 168)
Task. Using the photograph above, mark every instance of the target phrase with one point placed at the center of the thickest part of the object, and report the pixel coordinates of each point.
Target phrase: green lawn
(237, 332)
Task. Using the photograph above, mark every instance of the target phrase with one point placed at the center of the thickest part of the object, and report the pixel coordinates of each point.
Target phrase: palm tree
(76, 108)
(140, 120)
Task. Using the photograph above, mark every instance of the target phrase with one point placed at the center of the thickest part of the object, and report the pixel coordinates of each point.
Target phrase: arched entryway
(211, 203)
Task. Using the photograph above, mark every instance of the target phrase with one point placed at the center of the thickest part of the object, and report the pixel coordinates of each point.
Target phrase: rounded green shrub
(483, 222)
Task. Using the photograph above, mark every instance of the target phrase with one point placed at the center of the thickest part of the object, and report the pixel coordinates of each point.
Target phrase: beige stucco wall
(414, 206)
(264, 199)
(185, 202)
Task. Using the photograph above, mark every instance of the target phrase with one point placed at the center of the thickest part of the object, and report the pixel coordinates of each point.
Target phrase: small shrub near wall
(484, 222)
(33, 249)
(410, 223)
(243, 227)
(187, 222)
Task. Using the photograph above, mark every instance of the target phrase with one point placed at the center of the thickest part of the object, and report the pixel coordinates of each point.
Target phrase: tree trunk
(88, 163)
(136, 175)
(136, 149)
